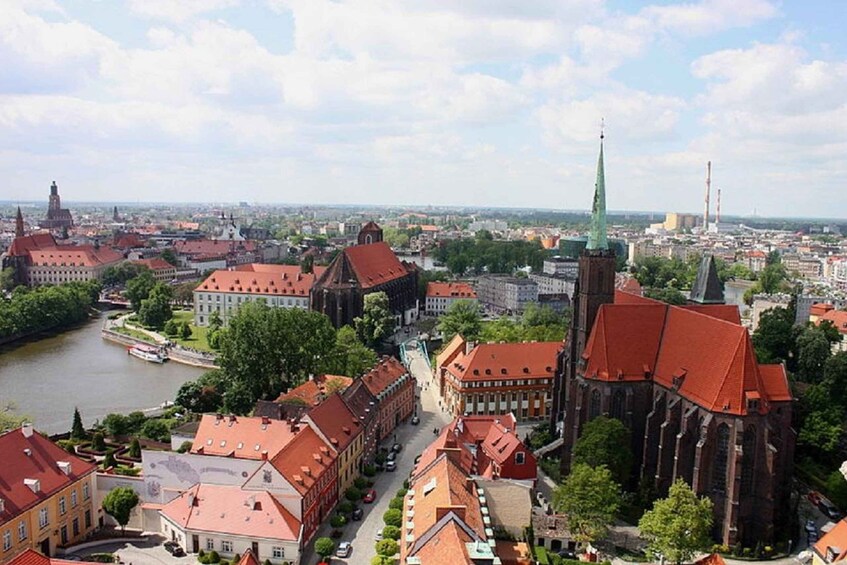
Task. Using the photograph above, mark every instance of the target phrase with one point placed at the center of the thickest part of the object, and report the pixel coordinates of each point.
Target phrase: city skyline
(386, 103)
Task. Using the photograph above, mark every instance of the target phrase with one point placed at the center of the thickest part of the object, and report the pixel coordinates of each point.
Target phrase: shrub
(387, 547)
(98, 442)
(360, 483)
(391, 532)
(324, 547)
(345, 507)
(369, 471)
(401, 493)
(214, 557)
(109, 460)
(353, 494)
(200, 554)
(396, 503)
(406, 484)
(236, 558)
(337, 521)
(134, 449)
(185, 447)
(393, 517)
(266, 562)
(380, 458)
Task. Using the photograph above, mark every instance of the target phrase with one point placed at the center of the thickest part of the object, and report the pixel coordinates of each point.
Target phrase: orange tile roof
(450, 351)
(335, 421)
(241, 437)
(726, 312)
(304, 460)
(231, 510)
(624, 341)
(711, 559)
(271, 280)
(513, 552)
(77, 255)
(248, 558)
(375, 264)
(384, 374)
(450, 290)
(37, 458)
(836, 538)
(30, 556)
(491, 361)
(446, 547)
(23, 245)
(820, 309)
(838, 319)
(315, 389)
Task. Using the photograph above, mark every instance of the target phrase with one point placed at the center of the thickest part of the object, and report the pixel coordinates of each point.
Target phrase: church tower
(19, 224)
(595, 286)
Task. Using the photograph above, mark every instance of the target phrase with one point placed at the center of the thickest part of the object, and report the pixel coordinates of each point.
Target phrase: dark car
(357, 514)
(396, 448)
(830, 510)
(567, 554)
(415, 420)
(174, 549)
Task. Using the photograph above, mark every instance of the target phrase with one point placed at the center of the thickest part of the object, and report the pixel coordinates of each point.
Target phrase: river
(47, 378)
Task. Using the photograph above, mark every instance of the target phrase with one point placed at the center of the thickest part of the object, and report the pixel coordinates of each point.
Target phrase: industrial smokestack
(708, 189)
(718, 213)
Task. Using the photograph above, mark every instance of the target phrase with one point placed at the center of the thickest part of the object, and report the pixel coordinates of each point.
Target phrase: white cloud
(709, 16)
(177, 11)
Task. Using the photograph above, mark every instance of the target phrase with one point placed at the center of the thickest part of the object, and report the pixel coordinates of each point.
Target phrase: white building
(441, 295)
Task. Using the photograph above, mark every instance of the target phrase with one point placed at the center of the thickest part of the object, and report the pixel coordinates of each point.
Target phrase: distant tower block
(708, 189)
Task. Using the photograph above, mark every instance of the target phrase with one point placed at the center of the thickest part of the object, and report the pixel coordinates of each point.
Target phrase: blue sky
(419, 102)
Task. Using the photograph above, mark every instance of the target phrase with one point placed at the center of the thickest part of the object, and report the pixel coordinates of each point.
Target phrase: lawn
(133, 333)
(198, 335)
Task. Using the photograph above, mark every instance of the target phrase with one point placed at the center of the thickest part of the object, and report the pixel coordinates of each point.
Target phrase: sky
(427, 102)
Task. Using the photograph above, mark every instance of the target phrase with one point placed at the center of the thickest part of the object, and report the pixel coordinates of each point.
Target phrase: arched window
(618, 404)
(721, 457)
(748, 463)
(368, 239)
(594, 405)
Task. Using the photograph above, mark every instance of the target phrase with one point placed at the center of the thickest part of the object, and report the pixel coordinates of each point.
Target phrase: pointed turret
(597, 236)
(707, 286)
(19, 224)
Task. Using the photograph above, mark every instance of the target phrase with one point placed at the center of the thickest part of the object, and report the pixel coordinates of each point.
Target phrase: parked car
(370, 496)
(391, 466)
(830, 510)
(567, 554)
(415, 420)
(391, 456)
(174, 549)
(396, 448)
(378, 535)
(811, 531)
(357, 514)
(344, 549)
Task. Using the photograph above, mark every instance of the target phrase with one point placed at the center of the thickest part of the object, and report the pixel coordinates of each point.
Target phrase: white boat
(148, 353)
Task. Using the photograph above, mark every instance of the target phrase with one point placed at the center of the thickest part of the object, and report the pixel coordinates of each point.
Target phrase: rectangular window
(75, 527)
(86, 491)
(73, 499)
(42, 518)
(7, 540)
(226, 546)
(279, 553)
(21, 531)
(210, 544)
(87, 519)
(520, 458)
(64, 535)
(62, 506)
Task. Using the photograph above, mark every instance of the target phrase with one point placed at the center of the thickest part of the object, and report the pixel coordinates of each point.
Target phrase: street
(414, 439)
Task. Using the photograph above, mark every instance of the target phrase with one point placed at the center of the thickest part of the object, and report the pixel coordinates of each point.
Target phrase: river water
(47, 378)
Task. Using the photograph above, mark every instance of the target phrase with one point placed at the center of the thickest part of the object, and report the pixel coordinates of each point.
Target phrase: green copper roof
(597, 235)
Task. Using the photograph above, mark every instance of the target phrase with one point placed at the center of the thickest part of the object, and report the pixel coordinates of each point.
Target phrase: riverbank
(176, 353)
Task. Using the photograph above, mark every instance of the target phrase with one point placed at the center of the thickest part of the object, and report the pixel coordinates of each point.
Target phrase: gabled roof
(360, 401)
(313, 391)
(457, 290)
(447, 544)
(304, 460)
(336, 422)
(490, 361)
(241, 437)
(231, 510)
(34, 458)
(450, 351)
(23, 245)
(385, 373)
(269, 280)
(833, 544)
(31, 557)
(78, 255)
(248, 558)
(624, 341)
(373, 264)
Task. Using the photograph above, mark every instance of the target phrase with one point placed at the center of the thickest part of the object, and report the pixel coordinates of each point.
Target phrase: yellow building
(45, 495)
(339, 427)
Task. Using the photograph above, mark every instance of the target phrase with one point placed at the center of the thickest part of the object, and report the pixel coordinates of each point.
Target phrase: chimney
(191, 499)
(265, 455)
(469, 345)
(708, 190)
(718, 213)
(27, 429)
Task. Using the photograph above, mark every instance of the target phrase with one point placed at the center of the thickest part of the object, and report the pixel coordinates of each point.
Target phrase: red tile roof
(450, 290)
(231, 510)
(155, 264)
(271, 280)
(726, 312)
(304, 460)
(35, 458)
(838, 319)
(820, 309)
(375, 264)
(386, 372)
(31, 557)
(241, 437)
(446, 547)
(315, 389)
(335, 421)
(492, 361)
(248, 558)
(23, 245)
(77, 255)
(836, 539)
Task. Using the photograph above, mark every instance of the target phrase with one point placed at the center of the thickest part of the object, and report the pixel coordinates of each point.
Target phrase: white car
(378, 535)
(344, 549)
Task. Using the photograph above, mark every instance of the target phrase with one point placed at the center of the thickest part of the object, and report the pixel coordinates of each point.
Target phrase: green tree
(215, 322)
(185, 330)
(77, 429)
(668, 295)
(775, 339)
(462, 318)
(116, 424)
(98, 442)
(836, 488)
(171, 328)
(393, 517)
(7, 279)
(139, 287)
(813, 350)
(109, 460)
(835, 377)
(377, 321)
(9, 418)
(387, 547)
(590, 498)
(168, 255)
(122, 272)
(155, 310)
(393, 532)
(678, 526)
(324, 547)
(134, 448)
(119, 504)
(382, 560)
(396, 502)
(821, 431)
(350, 356)
(156, 429)
(605, 442)
(535, 315)
(772, 277)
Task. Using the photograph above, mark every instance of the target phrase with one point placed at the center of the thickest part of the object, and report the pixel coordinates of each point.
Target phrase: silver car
(344, 549)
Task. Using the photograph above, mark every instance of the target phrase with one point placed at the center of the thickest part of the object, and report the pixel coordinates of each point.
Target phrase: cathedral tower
(19, 224)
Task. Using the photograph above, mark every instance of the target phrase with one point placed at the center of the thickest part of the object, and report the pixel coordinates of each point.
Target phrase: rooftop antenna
(708, 189)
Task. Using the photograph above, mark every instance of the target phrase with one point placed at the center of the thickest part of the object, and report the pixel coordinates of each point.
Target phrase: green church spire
(597, 236)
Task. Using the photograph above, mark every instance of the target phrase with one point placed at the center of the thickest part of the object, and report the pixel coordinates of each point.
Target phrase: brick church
(686, 382)
(370, 266)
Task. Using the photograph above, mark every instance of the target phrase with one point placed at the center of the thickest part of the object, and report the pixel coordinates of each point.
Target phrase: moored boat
(147, 353)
